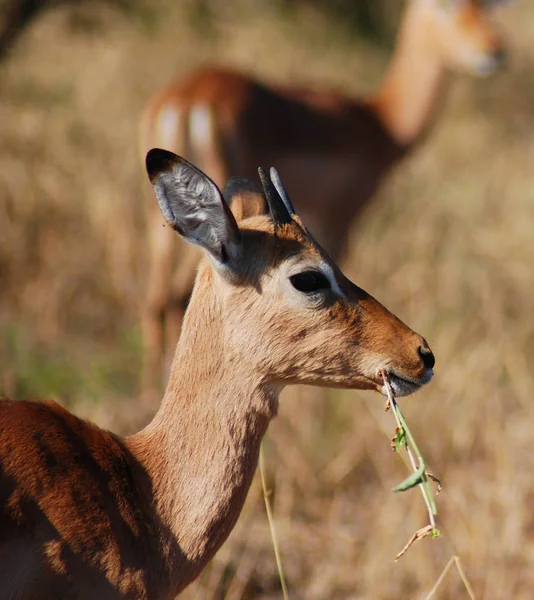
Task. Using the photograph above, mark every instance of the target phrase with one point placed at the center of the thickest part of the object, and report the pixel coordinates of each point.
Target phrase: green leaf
(412, 480)
(400, 439)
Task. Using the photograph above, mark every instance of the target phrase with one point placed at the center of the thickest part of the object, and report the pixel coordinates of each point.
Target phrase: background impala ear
(244, 198)
(192, 204)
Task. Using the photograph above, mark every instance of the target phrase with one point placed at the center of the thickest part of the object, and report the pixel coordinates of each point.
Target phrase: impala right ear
(192, 204)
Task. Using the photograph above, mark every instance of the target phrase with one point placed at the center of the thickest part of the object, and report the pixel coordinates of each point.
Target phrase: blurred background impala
(334, 149)
(446, 243)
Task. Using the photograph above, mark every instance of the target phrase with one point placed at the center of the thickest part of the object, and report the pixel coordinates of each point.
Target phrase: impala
(88, 514)
(334, 150)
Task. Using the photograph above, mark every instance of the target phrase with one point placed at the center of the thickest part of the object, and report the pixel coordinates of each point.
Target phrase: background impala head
(215, 117)
(461, 34)
(279, 300)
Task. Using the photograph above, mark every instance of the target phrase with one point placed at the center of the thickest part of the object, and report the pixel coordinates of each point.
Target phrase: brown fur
(85, 513)
(74, 503)
(332, 151)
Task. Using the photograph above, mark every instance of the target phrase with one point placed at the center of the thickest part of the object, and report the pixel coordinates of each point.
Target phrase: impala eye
(310, 282)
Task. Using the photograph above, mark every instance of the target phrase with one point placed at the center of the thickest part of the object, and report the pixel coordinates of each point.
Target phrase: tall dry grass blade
(456, 560)
(272, 528)
(464, 579)
(440, 578)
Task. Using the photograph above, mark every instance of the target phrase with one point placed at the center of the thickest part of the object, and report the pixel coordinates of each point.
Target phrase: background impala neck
(201, 450)
(407, 96)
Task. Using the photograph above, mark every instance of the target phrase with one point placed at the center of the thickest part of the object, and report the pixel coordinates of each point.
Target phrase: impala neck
(201, 449)
(408, 94)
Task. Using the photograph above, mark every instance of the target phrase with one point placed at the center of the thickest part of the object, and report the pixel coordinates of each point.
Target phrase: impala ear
(192, 204)
(244, 198)
(281, 212)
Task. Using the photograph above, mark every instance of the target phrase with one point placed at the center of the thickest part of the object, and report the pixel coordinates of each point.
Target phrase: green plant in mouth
(419, 477)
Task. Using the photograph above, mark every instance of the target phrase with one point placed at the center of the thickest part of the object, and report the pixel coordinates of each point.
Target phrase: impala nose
(427, 356)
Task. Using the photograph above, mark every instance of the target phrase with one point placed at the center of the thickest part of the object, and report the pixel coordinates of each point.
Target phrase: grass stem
(274, 537)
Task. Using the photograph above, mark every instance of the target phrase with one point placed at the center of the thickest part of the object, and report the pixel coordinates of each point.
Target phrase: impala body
(333, 150)
(85, 513)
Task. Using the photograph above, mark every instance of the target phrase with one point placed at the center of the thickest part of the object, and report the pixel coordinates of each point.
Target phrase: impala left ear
(193, 205)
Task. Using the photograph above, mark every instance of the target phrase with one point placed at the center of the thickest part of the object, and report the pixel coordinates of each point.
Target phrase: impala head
(286, 307)
(462, 34)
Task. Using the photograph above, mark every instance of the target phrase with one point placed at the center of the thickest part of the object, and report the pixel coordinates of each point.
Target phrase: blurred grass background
(447, 245)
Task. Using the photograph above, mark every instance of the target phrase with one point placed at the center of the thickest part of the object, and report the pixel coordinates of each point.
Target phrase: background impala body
(331, 149)
(87, 514)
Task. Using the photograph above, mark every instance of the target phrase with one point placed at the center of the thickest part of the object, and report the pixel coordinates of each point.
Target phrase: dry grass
(447, 245)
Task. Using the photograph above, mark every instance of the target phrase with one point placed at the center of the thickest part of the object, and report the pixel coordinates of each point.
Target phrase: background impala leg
(161, 263)
(180, 294)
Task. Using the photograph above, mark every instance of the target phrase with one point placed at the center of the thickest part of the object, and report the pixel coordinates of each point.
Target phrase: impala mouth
(404, 386)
